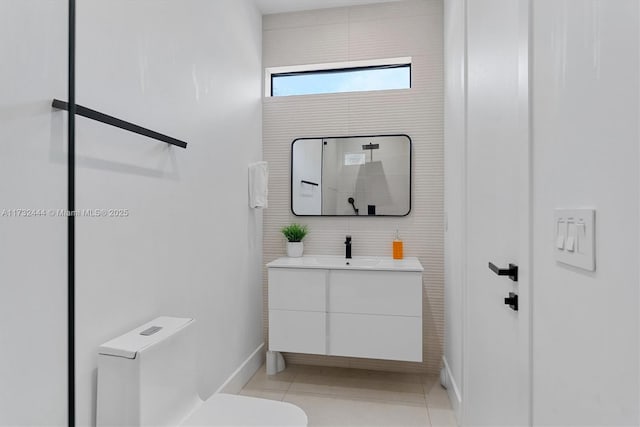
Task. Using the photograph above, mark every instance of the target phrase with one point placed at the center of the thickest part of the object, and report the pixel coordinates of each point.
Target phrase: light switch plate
(576, 227)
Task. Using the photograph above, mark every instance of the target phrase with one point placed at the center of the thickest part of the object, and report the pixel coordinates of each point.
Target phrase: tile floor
(355, 397)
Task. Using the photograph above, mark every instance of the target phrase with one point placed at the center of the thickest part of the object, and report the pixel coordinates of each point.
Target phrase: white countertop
(330, 262)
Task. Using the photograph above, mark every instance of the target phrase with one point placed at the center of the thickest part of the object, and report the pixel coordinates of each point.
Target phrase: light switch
(561, 230)
(571, 236)
(581, 236)
(571, 242)
(575, 237)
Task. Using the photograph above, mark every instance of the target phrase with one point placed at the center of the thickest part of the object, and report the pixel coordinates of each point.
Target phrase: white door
(497, 350)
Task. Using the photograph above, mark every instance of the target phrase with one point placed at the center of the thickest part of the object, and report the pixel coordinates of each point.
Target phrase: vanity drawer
(297, 289)
(298, 331)
(376, 292)
(378, 337)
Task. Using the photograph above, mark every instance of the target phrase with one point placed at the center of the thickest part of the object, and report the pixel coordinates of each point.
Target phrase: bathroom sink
(334, 261)
(356, 263)
(362, 262)
(341, 261)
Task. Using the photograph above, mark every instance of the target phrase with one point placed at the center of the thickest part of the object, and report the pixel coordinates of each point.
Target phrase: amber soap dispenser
(397, 247)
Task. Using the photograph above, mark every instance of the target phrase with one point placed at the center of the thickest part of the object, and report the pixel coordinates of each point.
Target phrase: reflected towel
(258, 183)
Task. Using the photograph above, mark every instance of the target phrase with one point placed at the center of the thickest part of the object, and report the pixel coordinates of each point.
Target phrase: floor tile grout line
(295, 375)
(419, 392)
(429, 416)
(410, 403)
(424, 394)
(332, 393)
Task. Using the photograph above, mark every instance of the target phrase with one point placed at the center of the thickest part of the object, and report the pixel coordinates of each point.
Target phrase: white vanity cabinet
(369, 308)
(297, 310)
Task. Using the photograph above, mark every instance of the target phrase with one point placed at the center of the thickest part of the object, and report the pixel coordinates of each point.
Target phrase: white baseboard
(245, 371)
(453, 390)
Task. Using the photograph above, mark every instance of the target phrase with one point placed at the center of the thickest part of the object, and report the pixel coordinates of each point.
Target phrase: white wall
(190, 245)
(33, 37)
(585, 154)
(406, 28)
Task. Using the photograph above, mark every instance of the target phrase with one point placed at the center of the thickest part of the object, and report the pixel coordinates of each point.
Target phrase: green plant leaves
(295, 232)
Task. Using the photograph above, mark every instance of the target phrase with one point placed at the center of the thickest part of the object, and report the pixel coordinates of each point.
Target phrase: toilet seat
(230, 410)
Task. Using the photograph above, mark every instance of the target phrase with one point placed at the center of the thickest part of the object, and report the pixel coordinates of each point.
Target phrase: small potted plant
(294, 234)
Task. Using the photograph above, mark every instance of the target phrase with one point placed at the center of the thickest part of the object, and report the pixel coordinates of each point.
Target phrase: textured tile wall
(410, 28)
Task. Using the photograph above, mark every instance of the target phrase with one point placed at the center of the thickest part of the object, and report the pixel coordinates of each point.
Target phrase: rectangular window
(287, 81)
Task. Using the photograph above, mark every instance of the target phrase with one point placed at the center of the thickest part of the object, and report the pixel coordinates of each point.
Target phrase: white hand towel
(258, 183)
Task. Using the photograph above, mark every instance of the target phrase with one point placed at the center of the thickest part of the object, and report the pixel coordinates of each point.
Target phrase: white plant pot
(294, 249)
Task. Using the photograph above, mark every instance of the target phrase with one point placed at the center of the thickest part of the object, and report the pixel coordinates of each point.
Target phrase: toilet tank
(147, 377)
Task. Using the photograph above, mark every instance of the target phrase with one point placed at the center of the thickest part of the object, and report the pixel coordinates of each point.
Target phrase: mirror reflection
(351, 176)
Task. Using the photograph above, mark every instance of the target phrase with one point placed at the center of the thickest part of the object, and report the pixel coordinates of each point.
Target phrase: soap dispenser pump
(398, 247)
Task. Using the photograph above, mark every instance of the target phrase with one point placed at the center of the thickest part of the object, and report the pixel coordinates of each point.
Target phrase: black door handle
(512, 301)
(512, 271)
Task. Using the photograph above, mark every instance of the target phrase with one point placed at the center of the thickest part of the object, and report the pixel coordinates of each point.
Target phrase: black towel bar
(113, 121)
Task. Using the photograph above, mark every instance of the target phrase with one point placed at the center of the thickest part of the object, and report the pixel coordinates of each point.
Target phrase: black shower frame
(71, 229)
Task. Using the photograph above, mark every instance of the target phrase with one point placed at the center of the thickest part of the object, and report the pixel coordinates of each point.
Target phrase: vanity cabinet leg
(275, 362)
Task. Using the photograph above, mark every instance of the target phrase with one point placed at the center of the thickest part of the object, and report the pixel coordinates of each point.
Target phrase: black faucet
(348, 243)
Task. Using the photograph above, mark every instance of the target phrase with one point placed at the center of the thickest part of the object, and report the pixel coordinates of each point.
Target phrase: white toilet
(147, 377)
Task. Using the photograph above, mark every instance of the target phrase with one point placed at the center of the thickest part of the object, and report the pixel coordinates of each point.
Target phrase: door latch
(512, 301)
(512, 271)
